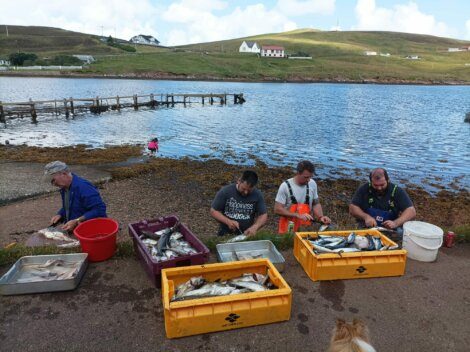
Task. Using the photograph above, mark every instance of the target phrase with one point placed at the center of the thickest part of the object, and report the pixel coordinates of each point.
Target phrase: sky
(195, 21)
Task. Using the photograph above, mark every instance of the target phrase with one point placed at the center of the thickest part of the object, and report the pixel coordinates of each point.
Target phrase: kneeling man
(240, 207)
(382, 203)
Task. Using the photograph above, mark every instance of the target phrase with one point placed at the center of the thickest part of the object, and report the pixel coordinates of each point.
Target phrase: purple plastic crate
(150, 265)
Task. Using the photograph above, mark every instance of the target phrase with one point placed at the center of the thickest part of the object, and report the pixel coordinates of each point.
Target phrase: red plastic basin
(98, 238)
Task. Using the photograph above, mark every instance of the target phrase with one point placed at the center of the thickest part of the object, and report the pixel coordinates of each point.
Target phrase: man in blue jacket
(80, 199)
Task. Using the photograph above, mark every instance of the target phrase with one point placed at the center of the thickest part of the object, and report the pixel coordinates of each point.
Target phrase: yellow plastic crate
(199, 316)
(355, 265)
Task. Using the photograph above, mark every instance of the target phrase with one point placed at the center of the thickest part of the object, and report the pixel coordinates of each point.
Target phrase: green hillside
(48, 41)
(337, 56)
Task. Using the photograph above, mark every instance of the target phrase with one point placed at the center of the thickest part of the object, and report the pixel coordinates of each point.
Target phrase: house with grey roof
(88, 59)
(249, 47)
(144, 39)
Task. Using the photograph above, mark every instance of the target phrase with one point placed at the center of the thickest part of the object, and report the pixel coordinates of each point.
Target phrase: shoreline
(159, 76)
(163, 186)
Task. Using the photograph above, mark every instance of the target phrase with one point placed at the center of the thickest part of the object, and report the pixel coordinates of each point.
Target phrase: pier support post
(2, 113)
(118, 105)
(184, 100)
(152, 100)
(203, 100)
(34, 114)
(211, 100)
(172, 101)
(136, 107)
(66, 109)
(72, 110)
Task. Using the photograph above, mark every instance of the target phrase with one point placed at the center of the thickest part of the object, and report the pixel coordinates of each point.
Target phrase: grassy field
(337, 56)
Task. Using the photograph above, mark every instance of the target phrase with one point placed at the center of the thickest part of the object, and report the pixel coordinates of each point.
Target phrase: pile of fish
(351, 243)
(53, 269)
(57, 234)
(198, 287)
(166, 244)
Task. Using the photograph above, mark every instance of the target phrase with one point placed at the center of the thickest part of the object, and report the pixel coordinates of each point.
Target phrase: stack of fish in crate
(220, 296)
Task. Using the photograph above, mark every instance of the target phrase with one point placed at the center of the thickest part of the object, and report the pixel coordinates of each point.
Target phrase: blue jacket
(84, 200)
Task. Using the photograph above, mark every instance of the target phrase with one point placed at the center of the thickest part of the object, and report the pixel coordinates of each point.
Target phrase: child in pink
(153, 146)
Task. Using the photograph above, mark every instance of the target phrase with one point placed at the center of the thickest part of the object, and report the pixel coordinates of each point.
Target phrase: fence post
(152, 100)
(117, 103)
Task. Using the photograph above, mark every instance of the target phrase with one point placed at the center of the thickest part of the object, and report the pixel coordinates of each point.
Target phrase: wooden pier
(72, 106)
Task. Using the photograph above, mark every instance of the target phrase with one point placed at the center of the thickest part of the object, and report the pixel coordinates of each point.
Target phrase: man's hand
(370, 221)
(70, 225)
(390, 224)
(325, 219)
(55, 219)
(233, 225)
(304, 217)
(251, 231)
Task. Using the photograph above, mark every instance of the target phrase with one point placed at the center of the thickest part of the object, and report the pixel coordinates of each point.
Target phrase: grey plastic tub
(12, 282)
(229, 252)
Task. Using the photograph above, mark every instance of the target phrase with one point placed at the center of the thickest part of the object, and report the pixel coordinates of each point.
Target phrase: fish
(55, 234)
(323, 227)
(150, 235)
(361, 242)
(246, 256)
(198, 287)
(251, 285)
(351, 238)
(237, 238)
(73, 244)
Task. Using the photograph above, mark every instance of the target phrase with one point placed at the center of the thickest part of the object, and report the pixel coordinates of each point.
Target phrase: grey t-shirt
(300, 192)
(237, 207)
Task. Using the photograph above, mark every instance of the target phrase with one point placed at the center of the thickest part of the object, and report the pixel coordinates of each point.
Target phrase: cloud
(399, 18)
(110, 17)
(307, 7)
(202, 25)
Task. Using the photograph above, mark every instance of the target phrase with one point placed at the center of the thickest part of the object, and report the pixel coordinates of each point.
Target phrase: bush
(111, 42)
(19, 59)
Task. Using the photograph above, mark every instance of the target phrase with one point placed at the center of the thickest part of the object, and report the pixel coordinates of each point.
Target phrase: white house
(272, 51)
(385, 54)
(412, 57)
(453, 49)
(144, 39)
(88, 59)
(249, 47)
(370, 53)
(4, 62)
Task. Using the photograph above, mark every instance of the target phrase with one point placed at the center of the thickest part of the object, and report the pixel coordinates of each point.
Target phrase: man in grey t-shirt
(297, 199)
(240, 207)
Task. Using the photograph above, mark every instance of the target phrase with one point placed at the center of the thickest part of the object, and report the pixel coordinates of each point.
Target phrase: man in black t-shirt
(381, 203)
(240, 207)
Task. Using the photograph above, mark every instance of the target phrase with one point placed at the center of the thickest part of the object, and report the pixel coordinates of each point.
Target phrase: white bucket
(422, 240)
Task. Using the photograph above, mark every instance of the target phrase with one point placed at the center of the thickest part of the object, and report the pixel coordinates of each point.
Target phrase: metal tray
(11, 283)
(229, 252)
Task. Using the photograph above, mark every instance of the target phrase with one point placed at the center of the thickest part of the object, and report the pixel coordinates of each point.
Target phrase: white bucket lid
(422, 229)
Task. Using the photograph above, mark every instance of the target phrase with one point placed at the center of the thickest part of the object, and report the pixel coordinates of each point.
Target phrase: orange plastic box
(355, 265)
(202, 315)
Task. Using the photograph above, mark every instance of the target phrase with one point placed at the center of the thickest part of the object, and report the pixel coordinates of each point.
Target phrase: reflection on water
(415, 131)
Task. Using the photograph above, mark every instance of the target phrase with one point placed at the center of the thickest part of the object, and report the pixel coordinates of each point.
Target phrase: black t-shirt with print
(237, 207)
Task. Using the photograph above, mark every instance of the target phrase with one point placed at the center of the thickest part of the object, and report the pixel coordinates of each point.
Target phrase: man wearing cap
(381, 203)
(80, 199)
(297, 200)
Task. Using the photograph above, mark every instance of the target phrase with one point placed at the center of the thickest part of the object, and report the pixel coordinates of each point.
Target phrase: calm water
(417, 132)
